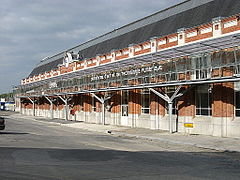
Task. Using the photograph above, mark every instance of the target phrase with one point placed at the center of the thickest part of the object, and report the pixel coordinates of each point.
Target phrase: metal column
(169, 100)
(51, 106)
(20, 105)
(32, 101)
(66, 106)
(102, 100)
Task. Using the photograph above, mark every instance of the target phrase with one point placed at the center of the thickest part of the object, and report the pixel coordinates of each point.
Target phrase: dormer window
(67, 59)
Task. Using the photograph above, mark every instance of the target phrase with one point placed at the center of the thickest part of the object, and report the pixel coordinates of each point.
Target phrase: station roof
(188, 14)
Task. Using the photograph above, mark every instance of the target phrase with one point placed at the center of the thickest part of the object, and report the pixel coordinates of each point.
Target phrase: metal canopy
(190, 49)
(186, 50)
(173, 83)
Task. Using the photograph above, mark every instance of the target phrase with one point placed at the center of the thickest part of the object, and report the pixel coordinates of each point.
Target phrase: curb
(172, 142)
(33, 119)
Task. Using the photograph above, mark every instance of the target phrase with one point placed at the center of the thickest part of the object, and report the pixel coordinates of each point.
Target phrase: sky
(30, 30)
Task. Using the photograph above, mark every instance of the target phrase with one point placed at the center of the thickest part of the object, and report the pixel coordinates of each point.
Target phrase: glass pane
(145, 111)
(237, 113)
(146, 101)
(204, 112)
(198, 112)
(125, 97)
(198, 100)
(204, 100)
(124, 110)
(237, 100)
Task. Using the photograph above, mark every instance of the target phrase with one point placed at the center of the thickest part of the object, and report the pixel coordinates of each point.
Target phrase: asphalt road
(35, 150)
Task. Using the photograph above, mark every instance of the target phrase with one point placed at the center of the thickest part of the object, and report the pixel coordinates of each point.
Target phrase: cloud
(33, 29)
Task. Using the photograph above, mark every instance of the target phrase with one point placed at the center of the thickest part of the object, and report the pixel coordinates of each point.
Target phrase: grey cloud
(33, 29)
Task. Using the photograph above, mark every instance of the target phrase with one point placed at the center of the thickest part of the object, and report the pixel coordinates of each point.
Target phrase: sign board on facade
(188, 125)
(131, 72)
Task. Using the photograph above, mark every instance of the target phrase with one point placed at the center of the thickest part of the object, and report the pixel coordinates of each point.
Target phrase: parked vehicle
(2, 106)
(2, 123)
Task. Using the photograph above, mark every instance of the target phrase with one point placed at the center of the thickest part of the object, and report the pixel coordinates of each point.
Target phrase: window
(203, 100)
(94, 104)
(237, 103)
(81, 104)
(125, 98)
(237, 98)
(145, 101)
(201, 65)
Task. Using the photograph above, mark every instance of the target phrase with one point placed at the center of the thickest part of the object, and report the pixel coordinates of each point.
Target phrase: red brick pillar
(46, 104)
(75, 102)
(29, 105)
(135, 101)
(60, 104)
(54, 103)
(223, 100)
(98, 103)
(157, 105)
(186, 103)
(116, 103)
(223, 97)
(87, 103)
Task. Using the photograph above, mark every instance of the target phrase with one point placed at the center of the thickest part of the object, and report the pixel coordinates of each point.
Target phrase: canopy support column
(102, 100)
(51, 105)
(32, 101)
(169, 100)
(66, 106)
(20, 105)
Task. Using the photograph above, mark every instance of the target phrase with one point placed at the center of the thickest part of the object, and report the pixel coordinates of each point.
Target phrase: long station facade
(175, 70)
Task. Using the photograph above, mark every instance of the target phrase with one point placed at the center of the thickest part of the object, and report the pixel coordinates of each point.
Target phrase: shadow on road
(91, 164)
(13, 133)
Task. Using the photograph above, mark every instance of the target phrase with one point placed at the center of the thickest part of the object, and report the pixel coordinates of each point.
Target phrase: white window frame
(230, 23)
(145, 109)
(94, 104)
(124, 105)
(199, 109)
(206, 30)
(236, 90)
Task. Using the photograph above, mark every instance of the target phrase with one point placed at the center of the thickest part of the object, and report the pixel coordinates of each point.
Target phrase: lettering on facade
(132, 72)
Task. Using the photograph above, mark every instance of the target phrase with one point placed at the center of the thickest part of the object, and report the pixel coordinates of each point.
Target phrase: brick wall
(186, 103)
(105, 61)
(87, 103)
(135, 101)
(157, 104)
(223, 97)
(98, 103)
(199, 35)
(116, 102)
(223, 100)
(232, 28)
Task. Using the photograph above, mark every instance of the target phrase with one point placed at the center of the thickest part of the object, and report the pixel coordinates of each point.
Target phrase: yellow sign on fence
(188, 125)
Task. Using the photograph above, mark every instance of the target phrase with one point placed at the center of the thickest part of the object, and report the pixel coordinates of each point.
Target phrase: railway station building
(175, 70)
